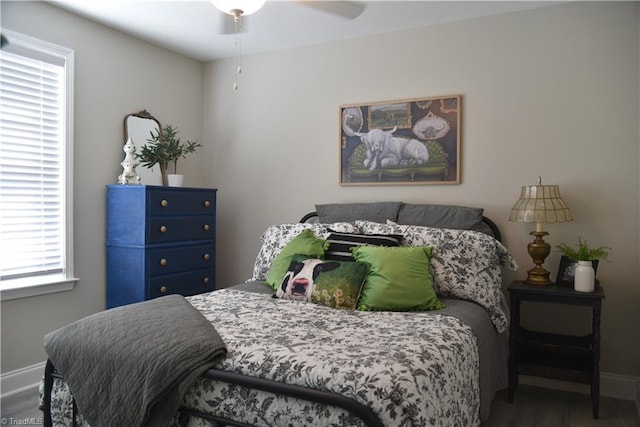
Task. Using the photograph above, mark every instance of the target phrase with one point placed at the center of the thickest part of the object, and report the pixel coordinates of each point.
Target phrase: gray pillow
(441, 216)
(347, 212)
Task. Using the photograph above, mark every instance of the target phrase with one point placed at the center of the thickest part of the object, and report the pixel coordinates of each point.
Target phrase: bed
(414, 358)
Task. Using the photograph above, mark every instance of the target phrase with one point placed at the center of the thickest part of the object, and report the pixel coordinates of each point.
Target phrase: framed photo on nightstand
(567, 270)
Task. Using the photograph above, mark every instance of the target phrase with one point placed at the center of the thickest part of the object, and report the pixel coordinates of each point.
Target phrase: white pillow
(465, 264)
(276, 237)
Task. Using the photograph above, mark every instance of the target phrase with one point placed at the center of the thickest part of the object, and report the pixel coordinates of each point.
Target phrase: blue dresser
(160, 241)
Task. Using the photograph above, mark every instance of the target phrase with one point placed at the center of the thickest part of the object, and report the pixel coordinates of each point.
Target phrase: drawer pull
(163, 262)
(163, 228)
(206, 257)
(163, 289)
(206, 203)
(205, 280)
(164, 203)
(205, 227)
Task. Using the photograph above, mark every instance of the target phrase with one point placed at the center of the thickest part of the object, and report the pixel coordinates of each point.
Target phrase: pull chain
(238, 29)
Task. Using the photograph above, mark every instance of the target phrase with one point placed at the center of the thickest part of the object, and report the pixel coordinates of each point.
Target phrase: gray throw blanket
(131, 365)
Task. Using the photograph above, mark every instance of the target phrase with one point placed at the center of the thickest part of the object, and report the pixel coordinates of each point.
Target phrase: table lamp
(539, 203)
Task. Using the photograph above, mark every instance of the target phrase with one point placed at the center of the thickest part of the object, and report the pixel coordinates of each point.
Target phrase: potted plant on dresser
(165, 148)
(584, 256)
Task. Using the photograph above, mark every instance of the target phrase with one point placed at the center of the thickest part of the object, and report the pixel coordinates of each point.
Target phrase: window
(36, 162)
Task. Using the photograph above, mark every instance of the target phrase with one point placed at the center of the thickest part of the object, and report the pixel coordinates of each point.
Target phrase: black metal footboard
(49, 375)
(46, 401)
(316, 396)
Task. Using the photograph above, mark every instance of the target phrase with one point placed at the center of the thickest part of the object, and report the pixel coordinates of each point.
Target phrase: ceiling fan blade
(344, 9)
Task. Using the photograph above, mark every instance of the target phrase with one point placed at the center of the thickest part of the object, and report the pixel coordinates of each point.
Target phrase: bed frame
(357, 409)
(488, 226)
(299, 392)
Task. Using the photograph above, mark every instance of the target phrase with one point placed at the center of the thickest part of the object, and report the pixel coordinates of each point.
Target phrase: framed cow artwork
(411, 141)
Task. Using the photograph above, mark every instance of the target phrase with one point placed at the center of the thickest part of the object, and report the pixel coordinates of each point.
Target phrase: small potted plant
(584, 256)
(165, 148)
(582, 251)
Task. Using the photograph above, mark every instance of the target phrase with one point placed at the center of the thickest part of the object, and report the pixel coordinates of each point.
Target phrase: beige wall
(550, 92)
(115, 74)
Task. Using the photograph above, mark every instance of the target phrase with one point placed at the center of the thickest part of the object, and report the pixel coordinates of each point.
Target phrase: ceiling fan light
(247, 7)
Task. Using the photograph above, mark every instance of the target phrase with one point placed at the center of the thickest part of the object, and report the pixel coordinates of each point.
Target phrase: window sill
(31, 287)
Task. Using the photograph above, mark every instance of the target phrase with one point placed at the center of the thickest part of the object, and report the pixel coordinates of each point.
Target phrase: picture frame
(401, 142)
(566, 272)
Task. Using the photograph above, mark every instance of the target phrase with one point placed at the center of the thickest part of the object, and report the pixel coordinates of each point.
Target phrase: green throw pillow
(331, 283)
(399, 279)
(305, 243)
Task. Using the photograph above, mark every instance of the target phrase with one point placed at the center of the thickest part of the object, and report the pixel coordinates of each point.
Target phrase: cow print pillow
(335, 284)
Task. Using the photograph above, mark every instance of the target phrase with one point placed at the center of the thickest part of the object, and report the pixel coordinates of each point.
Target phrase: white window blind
(35, 144)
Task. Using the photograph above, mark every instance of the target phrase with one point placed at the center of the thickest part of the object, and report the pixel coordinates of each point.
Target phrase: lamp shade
(246, 7)
(539, 204)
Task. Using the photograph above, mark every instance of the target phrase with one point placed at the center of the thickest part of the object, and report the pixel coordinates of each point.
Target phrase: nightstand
(563, 357)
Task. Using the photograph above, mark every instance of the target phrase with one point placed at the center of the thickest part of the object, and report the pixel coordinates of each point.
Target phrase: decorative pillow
(340, 244)
(276, 237)
(466, 264)
(399, 279)
(348, 212)
(441, 216)
(305, 243)
(334, 284)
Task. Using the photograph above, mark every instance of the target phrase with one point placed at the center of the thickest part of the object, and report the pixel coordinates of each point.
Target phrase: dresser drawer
(187, 283)
(181, 228)
(175, 259)
(167, 201)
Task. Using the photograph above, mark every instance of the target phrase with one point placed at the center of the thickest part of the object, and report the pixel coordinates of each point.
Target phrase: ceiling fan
(239, 9)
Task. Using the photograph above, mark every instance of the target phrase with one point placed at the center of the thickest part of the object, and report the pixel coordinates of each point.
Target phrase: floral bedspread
(410, 369)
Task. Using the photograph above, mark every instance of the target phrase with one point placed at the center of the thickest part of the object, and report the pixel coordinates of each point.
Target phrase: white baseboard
(21, 379)
(611, 385)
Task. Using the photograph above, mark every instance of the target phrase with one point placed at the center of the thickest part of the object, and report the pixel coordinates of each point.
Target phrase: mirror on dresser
(138, 127)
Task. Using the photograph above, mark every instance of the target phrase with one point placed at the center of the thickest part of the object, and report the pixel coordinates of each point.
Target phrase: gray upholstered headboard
(441, 216)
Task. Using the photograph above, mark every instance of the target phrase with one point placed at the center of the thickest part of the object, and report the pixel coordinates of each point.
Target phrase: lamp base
(538, 250)
(538, 276)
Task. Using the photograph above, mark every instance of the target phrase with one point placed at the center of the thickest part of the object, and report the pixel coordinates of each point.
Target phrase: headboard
(442, 216)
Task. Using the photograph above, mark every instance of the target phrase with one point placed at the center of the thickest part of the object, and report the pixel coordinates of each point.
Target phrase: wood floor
(21, 409)
(542, 407)
(533, 407)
